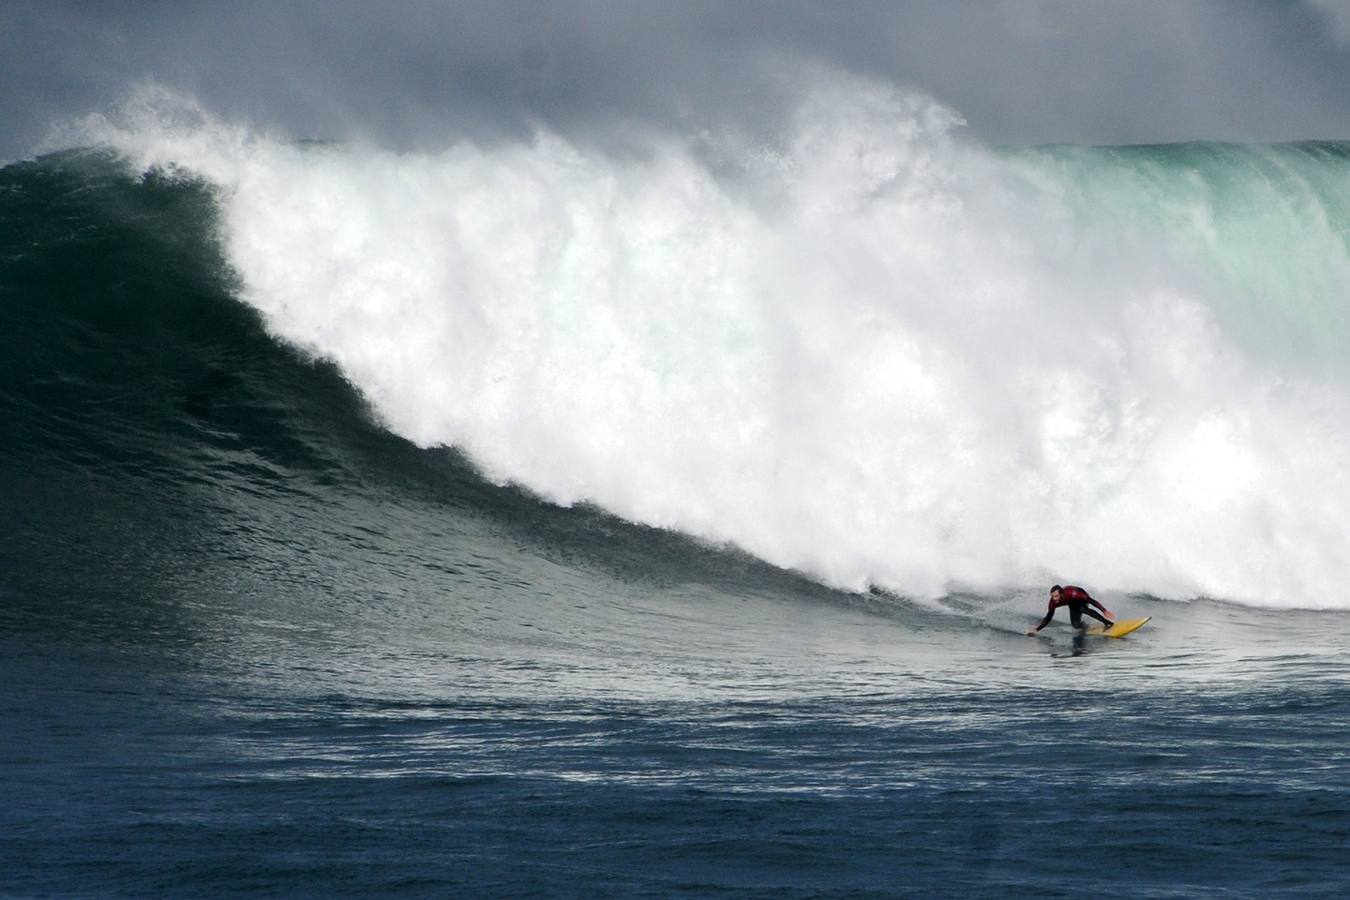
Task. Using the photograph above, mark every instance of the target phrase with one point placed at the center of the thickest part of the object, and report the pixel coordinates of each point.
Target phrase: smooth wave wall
(870, 351)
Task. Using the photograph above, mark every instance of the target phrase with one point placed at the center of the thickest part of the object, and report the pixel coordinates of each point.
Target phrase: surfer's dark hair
(1056, 588)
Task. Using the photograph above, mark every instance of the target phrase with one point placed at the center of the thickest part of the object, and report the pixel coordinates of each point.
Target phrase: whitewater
(869, 350)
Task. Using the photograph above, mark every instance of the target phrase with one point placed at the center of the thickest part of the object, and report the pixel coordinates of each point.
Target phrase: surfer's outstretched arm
(1050, 614)
(1093, 601)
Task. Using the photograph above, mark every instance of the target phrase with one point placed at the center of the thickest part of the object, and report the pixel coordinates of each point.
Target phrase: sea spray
(871, 351)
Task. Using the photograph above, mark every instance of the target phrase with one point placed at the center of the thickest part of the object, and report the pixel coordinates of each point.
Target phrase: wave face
(869, 351)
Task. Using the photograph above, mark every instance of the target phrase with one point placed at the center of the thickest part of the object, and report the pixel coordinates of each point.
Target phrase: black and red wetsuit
(1078, 601)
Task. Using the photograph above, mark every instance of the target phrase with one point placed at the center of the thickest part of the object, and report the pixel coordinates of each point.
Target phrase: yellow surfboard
(1121, 628)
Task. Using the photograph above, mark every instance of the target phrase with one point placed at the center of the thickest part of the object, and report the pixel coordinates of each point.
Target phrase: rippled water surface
(578, 735)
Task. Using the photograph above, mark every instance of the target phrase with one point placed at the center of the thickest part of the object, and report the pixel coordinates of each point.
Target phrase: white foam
(876, 354)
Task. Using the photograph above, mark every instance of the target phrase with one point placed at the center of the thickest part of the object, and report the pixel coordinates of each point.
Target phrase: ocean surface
(543, 520)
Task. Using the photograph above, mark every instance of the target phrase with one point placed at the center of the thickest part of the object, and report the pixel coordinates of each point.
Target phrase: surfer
(1078, 601)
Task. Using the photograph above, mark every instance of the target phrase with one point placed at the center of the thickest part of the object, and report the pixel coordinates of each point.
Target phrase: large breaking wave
(869, 350)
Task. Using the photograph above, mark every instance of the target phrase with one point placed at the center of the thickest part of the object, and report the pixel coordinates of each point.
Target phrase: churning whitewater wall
(870, 350)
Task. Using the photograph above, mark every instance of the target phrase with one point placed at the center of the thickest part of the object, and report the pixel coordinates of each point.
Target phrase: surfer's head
(1054, 591)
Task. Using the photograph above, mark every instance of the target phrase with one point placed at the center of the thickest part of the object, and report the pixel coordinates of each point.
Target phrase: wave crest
(870, 351)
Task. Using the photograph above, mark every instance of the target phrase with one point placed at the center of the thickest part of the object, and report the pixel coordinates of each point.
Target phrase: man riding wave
(1078, 601)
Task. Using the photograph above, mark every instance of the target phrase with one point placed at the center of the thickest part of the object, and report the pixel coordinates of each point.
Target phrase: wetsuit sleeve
(1096, 603)
(1050, 614)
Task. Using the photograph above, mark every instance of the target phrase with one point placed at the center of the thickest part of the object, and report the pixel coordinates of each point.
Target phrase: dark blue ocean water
(253, 644)
(665, 741)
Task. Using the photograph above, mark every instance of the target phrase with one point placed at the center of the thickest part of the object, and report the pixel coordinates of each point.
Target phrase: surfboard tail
(1120, 627)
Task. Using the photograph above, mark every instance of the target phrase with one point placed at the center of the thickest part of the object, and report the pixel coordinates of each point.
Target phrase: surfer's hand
(1031, 633)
